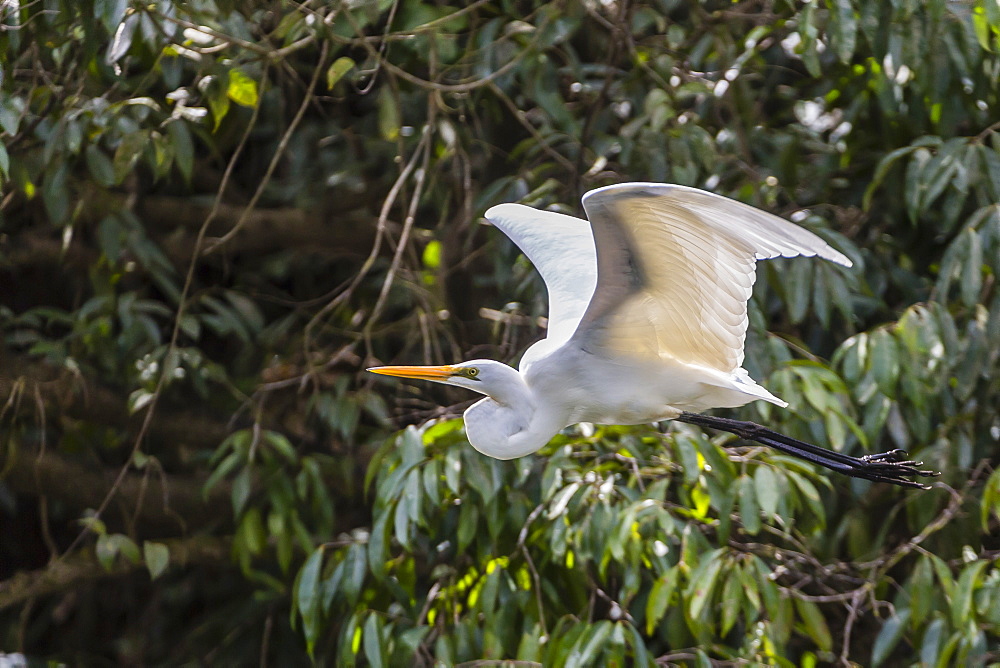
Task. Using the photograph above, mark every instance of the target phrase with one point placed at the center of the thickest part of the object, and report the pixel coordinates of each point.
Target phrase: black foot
(892, 467)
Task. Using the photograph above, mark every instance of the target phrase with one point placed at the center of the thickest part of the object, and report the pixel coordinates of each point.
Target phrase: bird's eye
(472, 372)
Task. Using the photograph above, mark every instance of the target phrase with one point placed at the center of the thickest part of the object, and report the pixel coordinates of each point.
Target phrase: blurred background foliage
(216, 214)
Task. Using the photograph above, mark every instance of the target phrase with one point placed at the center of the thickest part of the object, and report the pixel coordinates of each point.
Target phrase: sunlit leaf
(337, 70)
(241, 89)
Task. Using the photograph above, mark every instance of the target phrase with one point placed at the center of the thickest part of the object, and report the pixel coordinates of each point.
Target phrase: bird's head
(483, 376)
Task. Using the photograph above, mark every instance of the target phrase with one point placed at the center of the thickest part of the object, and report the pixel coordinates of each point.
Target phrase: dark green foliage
(216, 214)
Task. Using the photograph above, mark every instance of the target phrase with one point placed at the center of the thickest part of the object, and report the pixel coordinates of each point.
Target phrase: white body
(647, 313)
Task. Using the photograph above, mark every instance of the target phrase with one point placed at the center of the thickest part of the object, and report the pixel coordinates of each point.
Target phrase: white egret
(647, 319)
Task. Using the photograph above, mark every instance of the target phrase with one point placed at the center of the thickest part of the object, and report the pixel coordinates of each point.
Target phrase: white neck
(511, 422)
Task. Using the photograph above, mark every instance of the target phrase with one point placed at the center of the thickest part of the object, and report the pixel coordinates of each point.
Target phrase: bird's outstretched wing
(676, 268)
(562, 249)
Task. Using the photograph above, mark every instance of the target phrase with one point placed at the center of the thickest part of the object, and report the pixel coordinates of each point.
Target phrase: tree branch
(157, 499)
(83, 399)
(75, 569)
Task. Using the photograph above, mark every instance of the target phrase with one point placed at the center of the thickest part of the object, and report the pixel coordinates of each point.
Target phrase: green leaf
(808, 31)
(799, 288)
(126, 547)
(431, 256)
(640, 653)
(307, 590)
(350, 641)
(749, 509)
(218, 102)
(943, 170)
(814, 623)
(703, 582)
(110, 13)
(389, 122)
(100, 166)
(972, 277)
(407, 508)
(183, 147)
(157, 558)
(337, 70)
(730, 601)
(881, 171)
(127, 154)
(307, 594)
(110, 546)
(375, 649)
(700, 501)
(121, 42)
(252, 536)
(242, 89)
(961, 600)
(990, 503)
(931, 645)
(224, 468)
(55, 194)
(884, 356)
(844, 26)
(766, 486)
(687, 451)
(943, 574)
(280, 444)
(241, 491)
(11, 109)
(106, 551)
(981, 28)
(431, 478)
(592, 644)
(138, 400)
(561, 500)
(889, 636)
(354, 573)
(922, 593)
(468, 523)
(659, 599)
(915, 186)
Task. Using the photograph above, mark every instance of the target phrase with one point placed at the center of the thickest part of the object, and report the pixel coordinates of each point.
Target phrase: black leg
(891, 467)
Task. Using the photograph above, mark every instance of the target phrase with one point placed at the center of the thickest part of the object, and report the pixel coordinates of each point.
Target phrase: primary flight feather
(647, 321)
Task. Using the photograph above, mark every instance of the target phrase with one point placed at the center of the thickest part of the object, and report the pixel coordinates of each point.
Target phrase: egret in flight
(647, 319)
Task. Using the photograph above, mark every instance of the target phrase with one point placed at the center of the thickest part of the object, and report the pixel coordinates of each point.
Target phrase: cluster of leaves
(618, 546)
(604, 552)
(184, 184)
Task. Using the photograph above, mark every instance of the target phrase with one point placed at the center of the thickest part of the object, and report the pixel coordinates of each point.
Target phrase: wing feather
(562, 249)
(675, 269)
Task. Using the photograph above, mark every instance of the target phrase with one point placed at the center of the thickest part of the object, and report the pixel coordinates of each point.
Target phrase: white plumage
(647, 320)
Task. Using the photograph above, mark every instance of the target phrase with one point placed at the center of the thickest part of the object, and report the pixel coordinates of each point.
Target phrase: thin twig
(852, 615)
(276, 158)
(380, 229)
(981, 137)
(404, 236)
(543, 143)
(464, 87)
(167, 372)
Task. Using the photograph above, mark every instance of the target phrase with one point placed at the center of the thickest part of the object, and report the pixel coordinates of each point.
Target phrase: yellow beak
(438, 373)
